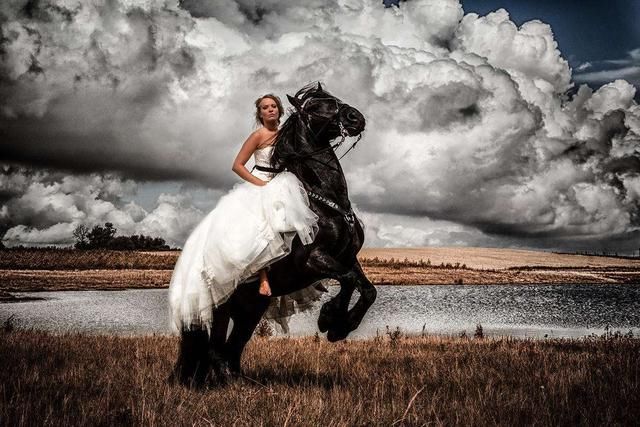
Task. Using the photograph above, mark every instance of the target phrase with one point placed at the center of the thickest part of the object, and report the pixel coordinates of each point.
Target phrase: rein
(349, 216)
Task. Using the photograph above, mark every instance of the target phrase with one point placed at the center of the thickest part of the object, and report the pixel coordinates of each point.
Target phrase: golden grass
(448, 276)
(496, 258)
(78, 379)
(70, 280)
(475, 258)
(70, 259)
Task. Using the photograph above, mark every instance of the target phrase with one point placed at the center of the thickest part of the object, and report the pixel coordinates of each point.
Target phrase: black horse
(302, 146)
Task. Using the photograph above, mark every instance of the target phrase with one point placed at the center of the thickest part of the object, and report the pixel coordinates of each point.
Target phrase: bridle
(348, 215)
(305, 118)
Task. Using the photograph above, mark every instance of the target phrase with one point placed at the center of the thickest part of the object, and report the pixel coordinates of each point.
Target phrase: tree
(122, 243)
(138, 242)
(103, 237)
(100, 237)
(3, 232)
(80, 233)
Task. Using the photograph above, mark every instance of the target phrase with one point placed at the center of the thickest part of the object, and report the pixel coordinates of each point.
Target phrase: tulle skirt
(250, 228)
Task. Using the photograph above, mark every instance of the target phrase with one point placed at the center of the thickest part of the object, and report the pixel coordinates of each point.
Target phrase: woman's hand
(261, 183)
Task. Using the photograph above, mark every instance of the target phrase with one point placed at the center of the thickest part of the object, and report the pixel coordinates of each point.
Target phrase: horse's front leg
(335, 310)
(354, 317)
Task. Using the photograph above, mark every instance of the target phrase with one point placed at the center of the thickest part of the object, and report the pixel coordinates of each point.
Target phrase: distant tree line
(103, 237)
(602, 253)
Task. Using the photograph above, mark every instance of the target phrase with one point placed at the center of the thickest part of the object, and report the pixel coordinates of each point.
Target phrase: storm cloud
(45, 207)
(473, 136)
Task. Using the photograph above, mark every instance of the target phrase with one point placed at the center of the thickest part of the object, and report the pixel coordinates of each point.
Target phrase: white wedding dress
(250, 228)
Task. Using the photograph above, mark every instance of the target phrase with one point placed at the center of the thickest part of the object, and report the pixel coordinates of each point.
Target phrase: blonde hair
(278, 104)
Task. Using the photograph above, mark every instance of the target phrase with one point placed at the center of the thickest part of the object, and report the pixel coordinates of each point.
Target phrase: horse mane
(292, 135)
(289, 139)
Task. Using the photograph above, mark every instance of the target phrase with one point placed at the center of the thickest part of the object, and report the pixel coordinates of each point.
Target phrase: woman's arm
(249, 146)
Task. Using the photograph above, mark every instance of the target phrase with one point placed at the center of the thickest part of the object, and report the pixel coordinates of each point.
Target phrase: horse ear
(294, 101)
(319, 88)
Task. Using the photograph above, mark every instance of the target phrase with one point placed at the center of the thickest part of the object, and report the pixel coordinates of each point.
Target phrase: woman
(251, 227)
(268, 113)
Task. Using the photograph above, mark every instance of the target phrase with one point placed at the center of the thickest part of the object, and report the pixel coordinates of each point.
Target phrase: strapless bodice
(262, 156)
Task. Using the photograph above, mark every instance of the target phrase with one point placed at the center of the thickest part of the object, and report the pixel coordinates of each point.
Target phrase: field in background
(42, 269)
(494, 258)
(78, 379)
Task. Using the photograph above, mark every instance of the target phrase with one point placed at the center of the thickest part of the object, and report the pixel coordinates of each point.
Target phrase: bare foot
(265, 289)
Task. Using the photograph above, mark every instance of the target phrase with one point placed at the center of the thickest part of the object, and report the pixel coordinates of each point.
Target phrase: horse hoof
(323, 324)
(187, 376)
(335, 335)
(327, 318)
(223, 375)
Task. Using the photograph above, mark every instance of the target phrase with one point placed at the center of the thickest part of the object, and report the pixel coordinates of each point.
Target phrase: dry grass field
(488, 266)
(41, 269)
(74, 280)
(75, 379)
(496, 258)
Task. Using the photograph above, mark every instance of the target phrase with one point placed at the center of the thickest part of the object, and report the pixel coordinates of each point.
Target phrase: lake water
(509, 310)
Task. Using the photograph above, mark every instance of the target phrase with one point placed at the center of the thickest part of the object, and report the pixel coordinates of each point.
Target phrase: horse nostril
(355, 118)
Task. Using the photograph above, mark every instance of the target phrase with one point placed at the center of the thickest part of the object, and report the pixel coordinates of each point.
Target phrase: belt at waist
(266, 169)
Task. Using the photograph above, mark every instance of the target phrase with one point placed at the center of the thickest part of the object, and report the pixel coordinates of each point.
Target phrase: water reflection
(524, 311)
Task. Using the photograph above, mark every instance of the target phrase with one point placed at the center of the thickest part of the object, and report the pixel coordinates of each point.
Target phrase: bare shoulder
(255, 138)
(263, 137)
(261, 132)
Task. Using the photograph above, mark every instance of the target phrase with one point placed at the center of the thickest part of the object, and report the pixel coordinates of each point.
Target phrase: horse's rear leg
(193, 364)
(246, 311)
(201, 351)
(218, 342)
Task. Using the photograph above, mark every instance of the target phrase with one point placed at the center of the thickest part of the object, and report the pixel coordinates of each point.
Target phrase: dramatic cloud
(44, 208)
(471, 139)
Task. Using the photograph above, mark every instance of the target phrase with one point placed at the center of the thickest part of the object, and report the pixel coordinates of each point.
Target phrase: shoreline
(60, 270)
(8, 298)
(12, 281)
(110, 280)
(390, 333)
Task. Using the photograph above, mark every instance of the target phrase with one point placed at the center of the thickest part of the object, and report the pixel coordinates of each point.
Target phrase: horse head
(326, 116)
(317, 119)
